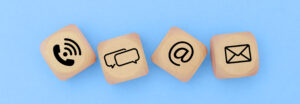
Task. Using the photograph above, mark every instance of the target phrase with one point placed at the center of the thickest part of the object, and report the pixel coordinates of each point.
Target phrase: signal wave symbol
(71, 47)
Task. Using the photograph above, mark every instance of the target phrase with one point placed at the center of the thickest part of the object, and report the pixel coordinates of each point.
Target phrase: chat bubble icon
(109, 58)
(127, 57)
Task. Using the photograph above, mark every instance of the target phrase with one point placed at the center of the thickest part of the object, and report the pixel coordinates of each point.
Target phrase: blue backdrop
(26, 78)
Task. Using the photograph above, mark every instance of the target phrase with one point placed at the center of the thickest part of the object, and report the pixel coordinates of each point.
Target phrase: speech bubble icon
(127, 57)
(109, 58)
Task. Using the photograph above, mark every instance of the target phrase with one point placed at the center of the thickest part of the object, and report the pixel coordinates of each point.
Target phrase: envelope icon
(237, 53)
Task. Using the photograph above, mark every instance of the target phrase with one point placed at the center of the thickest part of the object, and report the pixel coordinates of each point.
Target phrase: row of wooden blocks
(67, 53)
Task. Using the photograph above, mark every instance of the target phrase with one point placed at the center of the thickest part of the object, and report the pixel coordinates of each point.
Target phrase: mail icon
(237, 53)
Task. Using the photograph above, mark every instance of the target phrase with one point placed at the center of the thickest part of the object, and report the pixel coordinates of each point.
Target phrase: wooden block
(234, 55)
(67, 52)
(122, 58)
(180, 54)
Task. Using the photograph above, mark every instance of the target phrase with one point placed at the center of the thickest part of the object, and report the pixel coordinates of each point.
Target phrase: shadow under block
(122, 58)
(180, 54)
(67, 52)
(234, 55)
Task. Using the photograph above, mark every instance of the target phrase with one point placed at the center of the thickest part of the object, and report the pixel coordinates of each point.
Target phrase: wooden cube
(122, 58)
(234, 55)
(180, 54)
(67, 52)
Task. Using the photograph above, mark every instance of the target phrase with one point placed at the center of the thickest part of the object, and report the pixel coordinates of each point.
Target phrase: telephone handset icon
(56, 51)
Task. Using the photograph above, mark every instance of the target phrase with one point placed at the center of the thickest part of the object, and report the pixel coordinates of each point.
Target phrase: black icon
(68, 45)
(186, 47)
(237, 53)
(121, 57)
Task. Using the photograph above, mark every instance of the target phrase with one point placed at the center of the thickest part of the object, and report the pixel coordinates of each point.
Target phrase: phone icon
(70, 48)
(56, 51)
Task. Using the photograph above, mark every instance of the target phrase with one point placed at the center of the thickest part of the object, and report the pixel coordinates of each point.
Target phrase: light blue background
(25, 78)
